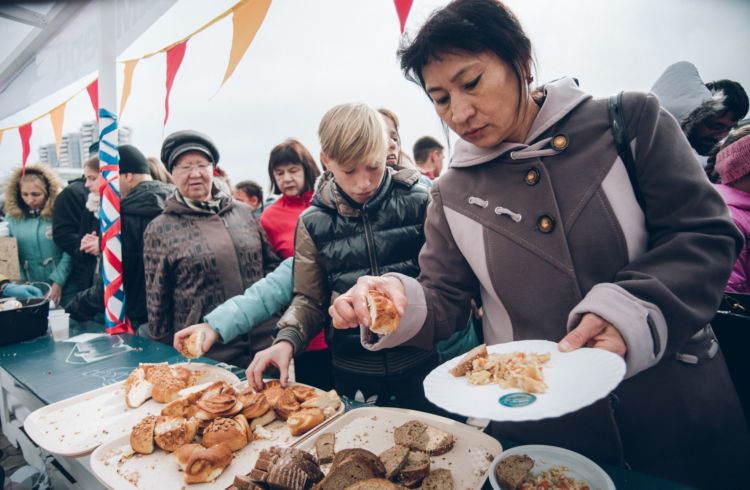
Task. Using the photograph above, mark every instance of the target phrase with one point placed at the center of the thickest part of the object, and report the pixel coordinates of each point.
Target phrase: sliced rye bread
(512, 471)
(419, 436)
(325, 447)
(374, 484)
(466, 362)
(352, 469)
(371, 457)
(416, 468)
(394, 459)
(438, 479)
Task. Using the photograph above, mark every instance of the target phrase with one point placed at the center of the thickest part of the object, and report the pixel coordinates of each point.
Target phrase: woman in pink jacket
(733, 166)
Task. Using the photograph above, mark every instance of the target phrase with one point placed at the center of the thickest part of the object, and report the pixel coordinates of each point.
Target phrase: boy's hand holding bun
(384, 318)
(352, 309)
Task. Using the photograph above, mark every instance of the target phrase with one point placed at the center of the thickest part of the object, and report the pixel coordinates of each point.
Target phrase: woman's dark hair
(292, 151)
(475, 26)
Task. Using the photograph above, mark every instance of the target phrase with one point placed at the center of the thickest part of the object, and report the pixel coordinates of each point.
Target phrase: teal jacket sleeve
(62, 270)
(257, 304)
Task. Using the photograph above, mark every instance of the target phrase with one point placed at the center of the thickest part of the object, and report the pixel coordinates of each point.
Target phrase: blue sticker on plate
(517, 399)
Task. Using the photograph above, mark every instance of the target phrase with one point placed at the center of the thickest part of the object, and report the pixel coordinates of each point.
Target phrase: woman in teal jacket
(30, 199)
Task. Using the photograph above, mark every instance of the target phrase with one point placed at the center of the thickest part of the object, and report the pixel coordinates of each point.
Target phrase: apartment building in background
(74, 147)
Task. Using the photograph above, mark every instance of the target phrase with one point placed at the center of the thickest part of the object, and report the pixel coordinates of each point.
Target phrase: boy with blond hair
(365, 218)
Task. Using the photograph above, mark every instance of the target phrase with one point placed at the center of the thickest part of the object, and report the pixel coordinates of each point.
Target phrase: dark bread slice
(243, 482)
(512, 471)
(393, 460)
(439, 479)
(286, 476)
(371, 457)
(325, 447)
(417, 467)
(419, 436)
(352, 469)
(466, 362)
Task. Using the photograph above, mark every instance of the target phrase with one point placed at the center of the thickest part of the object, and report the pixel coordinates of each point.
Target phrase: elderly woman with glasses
(203, 249)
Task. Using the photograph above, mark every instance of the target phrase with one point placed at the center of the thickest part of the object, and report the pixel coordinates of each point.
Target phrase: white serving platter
(76, 426)
(116, 466)
(372, 428)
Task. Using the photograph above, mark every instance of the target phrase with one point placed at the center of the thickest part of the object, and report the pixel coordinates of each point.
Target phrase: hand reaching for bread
(195, 340)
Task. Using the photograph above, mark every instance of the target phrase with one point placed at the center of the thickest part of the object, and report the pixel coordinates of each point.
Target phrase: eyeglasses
(203, 167)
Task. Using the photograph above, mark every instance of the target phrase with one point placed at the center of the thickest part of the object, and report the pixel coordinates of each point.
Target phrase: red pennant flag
(174, 60)
(402, 8)
(25, 132)
(93, 90)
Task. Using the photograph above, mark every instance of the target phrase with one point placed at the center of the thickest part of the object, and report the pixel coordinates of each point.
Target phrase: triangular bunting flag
(247, 18)
(174, 60)
(129, 67)
(56, 115)
(93, 90)
(1, 136)
(25, 132)
(402, 8)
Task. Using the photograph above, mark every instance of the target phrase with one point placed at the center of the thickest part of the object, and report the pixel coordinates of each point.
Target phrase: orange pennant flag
(1, 136)
(56, 115)
(129, 67)
(246, 20)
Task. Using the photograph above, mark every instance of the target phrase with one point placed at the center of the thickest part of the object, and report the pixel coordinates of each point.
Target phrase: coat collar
(561, 97)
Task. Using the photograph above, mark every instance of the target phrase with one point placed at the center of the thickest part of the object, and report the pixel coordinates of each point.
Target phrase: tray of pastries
(76, 426)
(210, 434)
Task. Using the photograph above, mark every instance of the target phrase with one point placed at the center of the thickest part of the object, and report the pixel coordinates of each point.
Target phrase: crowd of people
(538, 230)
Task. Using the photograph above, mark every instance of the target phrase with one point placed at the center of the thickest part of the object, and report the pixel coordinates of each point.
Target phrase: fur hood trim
(14, 205)
(710, 107)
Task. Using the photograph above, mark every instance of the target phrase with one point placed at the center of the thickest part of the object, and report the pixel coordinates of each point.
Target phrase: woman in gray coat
(538, 216)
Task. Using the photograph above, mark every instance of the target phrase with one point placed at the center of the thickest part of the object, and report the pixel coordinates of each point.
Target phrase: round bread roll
(142, 436)
(254, 405)
(201, 464)
(192, 347)
(304, 420)
(173, 432)
(229, 431)
(303, 392)
(222, 404)
(166, 387)
(384, 318)
(137, 388)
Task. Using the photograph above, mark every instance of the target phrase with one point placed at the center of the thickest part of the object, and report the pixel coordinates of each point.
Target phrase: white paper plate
(574, 380)
(545, 457)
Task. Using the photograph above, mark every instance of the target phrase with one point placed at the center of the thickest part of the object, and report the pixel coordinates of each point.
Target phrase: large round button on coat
(545, 224)
(559, 142)
(532, 176)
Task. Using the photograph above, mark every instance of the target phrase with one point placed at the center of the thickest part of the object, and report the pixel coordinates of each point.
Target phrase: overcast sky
(311, 55)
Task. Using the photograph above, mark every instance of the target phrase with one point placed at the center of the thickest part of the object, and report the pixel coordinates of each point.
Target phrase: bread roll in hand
(192, 347)
(384, 318)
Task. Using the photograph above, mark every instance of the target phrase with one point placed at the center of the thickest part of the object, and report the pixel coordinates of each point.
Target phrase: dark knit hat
(733, 162)
(132, 160)
(181, 142)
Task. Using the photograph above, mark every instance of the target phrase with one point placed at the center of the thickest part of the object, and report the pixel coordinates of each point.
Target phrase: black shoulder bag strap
(620, 133)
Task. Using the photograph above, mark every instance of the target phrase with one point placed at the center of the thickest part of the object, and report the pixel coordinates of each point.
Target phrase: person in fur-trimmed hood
(706, 112)
(30, 200)
(537, 214)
